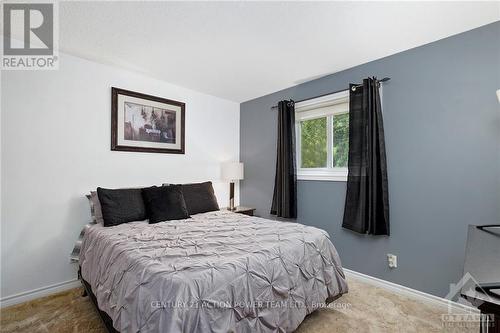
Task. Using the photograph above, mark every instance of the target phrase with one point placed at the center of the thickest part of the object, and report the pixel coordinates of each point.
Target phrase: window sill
(332, 176)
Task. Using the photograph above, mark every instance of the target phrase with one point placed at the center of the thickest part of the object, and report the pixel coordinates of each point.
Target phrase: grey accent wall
(442, 127)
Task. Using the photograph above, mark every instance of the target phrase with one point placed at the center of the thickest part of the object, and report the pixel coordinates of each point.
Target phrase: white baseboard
(39, 292)
(409, 292)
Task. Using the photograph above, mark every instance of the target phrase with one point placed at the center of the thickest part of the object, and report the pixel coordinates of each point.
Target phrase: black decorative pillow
(199, 197)
(121, 205)
(164, 203)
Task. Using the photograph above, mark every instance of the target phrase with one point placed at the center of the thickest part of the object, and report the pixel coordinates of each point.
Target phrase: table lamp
(232, 171)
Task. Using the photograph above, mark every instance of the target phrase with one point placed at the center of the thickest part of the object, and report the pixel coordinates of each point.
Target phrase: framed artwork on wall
(145, 123)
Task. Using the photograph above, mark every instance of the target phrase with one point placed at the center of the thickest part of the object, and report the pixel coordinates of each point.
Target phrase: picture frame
(146, 123)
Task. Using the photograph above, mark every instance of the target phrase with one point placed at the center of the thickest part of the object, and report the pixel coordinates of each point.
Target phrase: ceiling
(243, 50)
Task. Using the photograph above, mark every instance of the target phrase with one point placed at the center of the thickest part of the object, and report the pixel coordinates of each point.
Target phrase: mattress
(217, 271)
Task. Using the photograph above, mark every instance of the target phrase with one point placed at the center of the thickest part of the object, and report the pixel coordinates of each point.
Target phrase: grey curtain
(367, 199)
(285, 183)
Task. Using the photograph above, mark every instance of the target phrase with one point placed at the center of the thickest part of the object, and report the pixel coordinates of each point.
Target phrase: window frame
(329, 173)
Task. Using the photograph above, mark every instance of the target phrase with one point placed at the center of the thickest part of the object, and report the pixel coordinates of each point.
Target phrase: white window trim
(308, 110)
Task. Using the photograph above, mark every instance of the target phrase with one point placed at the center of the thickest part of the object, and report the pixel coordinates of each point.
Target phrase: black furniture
(244, 210)
(106, 320)
(482, 274)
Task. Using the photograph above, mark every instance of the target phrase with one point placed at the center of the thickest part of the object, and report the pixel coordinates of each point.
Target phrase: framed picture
(144, 123)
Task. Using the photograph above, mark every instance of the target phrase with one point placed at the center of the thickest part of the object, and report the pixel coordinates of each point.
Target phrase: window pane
(313, 143)
(340, 140)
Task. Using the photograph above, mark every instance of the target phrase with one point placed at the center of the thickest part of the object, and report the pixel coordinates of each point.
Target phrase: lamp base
(231, 197)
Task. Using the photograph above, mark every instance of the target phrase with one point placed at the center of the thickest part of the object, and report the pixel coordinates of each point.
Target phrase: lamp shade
(232, 171)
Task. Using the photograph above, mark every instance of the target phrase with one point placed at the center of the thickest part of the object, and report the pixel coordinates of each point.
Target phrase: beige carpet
(364, 309)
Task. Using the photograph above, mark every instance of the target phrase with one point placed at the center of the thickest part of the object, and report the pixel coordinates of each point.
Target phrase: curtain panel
(285, 183)
(367, 198)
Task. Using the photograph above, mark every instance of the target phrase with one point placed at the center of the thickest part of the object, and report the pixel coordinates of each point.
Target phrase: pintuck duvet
(214, 272)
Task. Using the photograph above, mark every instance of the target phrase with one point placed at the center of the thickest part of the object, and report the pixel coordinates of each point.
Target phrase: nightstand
(244, 210)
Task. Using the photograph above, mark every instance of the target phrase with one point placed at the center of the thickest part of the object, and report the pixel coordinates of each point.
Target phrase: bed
(214, 272)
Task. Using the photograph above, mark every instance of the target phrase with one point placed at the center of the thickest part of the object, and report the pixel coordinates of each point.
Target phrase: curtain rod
(385, 79)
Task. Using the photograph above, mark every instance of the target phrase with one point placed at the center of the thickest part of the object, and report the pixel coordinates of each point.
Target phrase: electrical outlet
(392, 260)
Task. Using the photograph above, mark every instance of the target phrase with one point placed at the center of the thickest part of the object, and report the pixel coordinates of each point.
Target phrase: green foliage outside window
(340, 140)
(314, 141)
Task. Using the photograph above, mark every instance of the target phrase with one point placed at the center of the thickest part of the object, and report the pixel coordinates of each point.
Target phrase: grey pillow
(121, 205)
(95, 207)
(199, 197)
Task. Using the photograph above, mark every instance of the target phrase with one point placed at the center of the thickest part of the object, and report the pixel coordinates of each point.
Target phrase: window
(322, 128)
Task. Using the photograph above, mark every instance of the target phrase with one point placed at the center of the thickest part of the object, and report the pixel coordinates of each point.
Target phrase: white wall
(55, 139)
